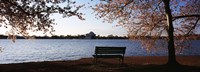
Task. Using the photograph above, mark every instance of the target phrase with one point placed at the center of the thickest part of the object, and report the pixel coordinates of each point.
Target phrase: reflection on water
(57, 49)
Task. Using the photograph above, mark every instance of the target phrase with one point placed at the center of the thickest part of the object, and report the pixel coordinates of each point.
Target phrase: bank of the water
(132, 64)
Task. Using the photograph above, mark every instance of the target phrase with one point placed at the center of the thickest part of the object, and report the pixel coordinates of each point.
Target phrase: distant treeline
(196, 36)
(191, 37)
(68, 37)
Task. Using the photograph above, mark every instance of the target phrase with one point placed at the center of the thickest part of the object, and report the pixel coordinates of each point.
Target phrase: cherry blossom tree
(166, 19)
(24, 16)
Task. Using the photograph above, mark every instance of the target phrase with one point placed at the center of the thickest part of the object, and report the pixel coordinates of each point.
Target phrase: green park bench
(109, 52)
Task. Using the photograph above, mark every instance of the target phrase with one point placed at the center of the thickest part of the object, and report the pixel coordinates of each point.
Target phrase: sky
(74, 26)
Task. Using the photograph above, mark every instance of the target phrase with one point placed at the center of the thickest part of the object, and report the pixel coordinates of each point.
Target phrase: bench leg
(95, 60)
(121, 61)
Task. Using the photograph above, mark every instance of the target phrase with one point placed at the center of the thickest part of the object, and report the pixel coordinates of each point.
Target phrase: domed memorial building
(90, 35)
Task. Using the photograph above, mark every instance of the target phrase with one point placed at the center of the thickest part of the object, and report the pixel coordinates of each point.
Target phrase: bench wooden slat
(108, 56)
(110, 50)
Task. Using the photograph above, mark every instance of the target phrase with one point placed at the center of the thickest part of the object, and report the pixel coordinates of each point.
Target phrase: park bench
(109, 52)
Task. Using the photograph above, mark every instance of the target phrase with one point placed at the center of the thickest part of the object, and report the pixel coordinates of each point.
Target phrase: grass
(132, 64)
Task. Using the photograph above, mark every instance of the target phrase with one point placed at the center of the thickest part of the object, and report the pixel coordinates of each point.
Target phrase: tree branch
(193, 27)
(157, 5)
(16, 5)
(184, 16)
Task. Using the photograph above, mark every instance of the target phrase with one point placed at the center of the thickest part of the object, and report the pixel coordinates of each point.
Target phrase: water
(71, 49)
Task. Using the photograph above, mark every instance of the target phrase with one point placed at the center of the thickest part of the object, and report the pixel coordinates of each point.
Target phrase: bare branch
(157, 5)
(193, 27)
(184, 16)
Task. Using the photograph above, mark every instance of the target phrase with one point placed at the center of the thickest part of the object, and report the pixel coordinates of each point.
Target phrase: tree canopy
(148, 18)
(34, 15)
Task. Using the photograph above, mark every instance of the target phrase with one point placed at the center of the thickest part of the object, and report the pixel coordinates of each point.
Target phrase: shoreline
(191, 63)
(128, 59)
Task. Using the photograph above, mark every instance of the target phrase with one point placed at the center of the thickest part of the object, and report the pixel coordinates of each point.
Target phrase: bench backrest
(110, 50)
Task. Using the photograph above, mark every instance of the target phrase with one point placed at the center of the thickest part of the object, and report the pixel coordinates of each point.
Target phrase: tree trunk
(171, 48)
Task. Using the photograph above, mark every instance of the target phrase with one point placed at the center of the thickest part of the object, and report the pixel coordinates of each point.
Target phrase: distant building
(90, 35)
